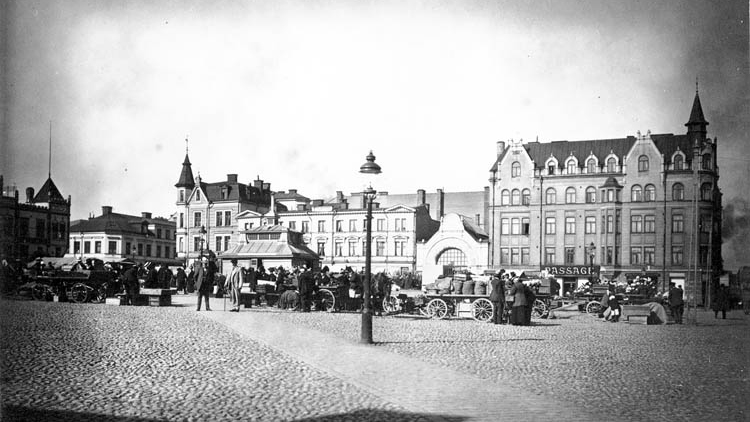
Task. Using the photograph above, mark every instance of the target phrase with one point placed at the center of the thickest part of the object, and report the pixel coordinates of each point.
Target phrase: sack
(480, 288)
(468, 288)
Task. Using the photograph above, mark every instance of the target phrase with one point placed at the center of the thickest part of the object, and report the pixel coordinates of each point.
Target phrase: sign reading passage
(571, 270)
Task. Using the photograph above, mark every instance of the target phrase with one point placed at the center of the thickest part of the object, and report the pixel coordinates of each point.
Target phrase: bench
(636, 314)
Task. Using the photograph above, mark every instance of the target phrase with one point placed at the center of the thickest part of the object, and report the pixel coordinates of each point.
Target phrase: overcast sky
(297, 92)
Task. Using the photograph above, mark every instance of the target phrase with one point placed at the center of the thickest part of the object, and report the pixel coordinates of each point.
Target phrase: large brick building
(616, 208)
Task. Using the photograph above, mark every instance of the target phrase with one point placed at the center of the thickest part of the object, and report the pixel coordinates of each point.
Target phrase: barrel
(458, 286)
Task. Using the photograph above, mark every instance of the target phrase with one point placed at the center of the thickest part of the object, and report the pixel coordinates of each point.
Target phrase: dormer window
(551, 168)
(224, 192)
(591, 166)
(571, 166)
(611, 165)
(679, 162)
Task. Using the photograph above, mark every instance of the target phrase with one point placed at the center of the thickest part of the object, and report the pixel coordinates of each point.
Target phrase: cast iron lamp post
(369, 167)
(203, 235)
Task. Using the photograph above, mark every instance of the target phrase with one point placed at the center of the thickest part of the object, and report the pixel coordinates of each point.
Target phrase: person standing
(181, 278)
(203, 284)
(497, 297)
(676, 302)
(130, 284)
(518, 313)
(152, 276)
(234, 284)
(306, 284)
(530, 299)
(721, 302)
(165, 277)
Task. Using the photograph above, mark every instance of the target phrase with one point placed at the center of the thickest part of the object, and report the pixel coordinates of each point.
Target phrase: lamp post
(592, 252)
(203, 234)
(369, 167)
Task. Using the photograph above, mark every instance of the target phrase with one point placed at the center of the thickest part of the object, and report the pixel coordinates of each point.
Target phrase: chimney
(292, 191)
(339, 196)
(440, 203)
(29, 195)
(232, 178)
(273, 204)
(146, 214)
(301, 207)
(500, 147)
(266, 186)
(421, 197)
(106, 210)
(257, 183)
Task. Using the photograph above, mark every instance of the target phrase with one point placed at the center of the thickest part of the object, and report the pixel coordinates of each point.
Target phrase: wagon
(76, 286)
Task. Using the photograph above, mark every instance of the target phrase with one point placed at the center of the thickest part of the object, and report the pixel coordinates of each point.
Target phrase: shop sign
(571, 270)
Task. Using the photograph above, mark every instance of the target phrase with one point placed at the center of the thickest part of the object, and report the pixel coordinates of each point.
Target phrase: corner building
(645, 205)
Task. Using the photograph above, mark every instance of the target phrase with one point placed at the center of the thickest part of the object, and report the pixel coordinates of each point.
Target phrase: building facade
(114, 237)
(645, 205)
(34, 228)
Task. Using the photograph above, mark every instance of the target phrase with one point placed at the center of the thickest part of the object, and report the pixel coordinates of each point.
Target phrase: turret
(697, 123)
(186, 176)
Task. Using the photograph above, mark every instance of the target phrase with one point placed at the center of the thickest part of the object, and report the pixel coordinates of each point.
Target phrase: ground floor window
(452, 257)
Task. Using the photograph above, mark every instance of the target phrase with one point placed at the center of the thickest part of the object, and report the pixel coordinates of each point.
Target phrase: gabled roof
(235, 191)
(49, 193)
(561, 150)
(474, 230)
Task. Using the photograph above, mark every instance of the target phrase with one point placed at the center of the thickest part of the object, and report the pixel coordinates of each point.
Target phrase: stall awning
(268, 250)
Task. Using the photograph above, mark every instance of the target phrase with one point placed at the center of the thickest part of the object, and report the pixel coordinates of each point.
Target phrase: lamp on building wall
(368, 168)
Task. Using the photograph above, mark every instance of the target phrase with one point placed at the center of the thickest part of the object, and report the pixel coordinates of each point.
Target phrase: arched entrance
(452, 260)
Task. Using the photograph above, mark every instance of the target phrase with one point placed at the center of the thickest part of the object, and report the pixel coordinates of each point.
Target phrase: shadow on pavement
(484, 341)
(24, 414)
(374, 415)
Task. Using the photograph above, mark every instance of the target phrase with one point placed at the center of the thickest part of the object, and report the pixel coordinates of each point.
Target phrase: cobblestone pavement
(79, 362)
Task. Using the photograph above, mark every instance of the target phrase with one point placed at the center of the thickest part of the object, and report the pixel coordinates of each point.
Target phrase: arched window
(706, 162)
(643, 163)
(452, 257)
(570, 166)
(570, 195)
(551, 196)
(515, 198)
(636, 193)
(590, 195)
(679, 162)
(678, 192)
(649, 193)
(505, 197)
(611, 165)
(706, 192)
(591, 166)
(526, 197)
(515, 169)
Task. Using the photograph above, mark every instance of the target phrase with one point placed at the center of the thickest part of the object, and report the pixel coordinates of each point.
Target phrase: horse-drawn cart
(75, 286)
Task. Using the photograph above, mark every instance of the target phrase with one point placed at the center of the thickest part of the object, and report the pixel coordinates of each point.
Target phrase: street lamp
(203, 235)
(592, 252)
(369, 167)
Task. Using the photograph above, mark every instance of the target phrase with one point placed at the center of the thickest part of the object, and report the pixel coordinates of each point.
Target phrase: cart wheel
(482, 309)
(79, 293)
(437, 308)
(327, 300)
(593, 307)
(390, 304)
(39, 292)
(539, 309)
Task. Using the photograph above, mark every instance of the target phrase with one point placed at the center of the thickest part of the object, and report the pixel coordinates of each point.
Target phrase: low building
(113, 237)
(269, 247)
(459, 245)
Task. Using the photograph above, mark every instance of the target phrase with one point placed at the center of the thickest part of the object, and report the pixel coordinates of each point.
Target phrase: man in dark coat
(497, 297)
(152, 277)
(131, 284)
(165, 277)
(676, 302)
(306, 285)
(203, 283)
(181, 279)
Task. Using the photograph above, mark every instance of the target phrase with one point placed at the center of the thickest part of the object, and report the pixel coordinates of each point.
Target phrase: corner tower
(696, 125)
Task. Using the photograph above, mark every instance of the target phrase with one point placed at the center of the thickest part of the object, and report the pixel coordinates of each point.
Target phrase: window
(570, 166)
(321, 247)
(636, 224)
(505, 226)
(219, 219)
(321, 226)
(570, 225)
(111, 247)
(398, 247)
(570, 255)
(643, 163)
(182, 195)
(218, 243)
(505, 256)
(339, 226)
(678, 223)
(196, 219)
(678, 192)
(148, 250)
(590, 225)
(292, 225)
(40, 228)
(570, 195)
(227, 218)
(98, 246)
(338, 248)
(400, 224)
(180, 245)
(515, 226)
(158, 251)
(380, 248)
(706, 192)
(611, 165)
(525, 225)
(706, 162)
(364, 224)
(635, 256)
(551, 168)
(76, 246)
(352, 248)
(649, 253)
(591, 166)
(611, 195)
(551, 196)
(515, 198)
(549, 225)
(505, 197)
(525, 256)
(636, 193)
(182, 220)
(352, 225)
(305, 227)
(526, 197)
(514, 256)
(649, 224)
(515, 169)
(196, 245)
(610, 224)
(609, 256)
(649, 193)
(380, 224)
(590, 195)
(679, 162)
(197, 195)
(677, 254)
(549, 256)
(703, 255)
(166, 252)
(705, 224)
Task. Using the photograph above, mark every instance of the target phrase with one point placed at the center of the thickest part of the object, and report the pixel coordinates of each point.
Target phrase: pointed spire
(697, 123)
(186, 176)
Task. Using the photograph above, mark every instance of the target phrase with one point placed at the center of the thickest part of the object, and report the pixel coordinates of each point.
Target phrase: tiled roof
(475, 231)
(668, 143)
(235, 192)
(112, 223)
(49, 193)
(275, 228)
(561, 150)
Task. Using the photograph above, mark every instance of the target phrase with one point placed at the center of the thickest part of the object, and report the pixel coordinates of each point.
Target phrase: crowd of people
(509, 291)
